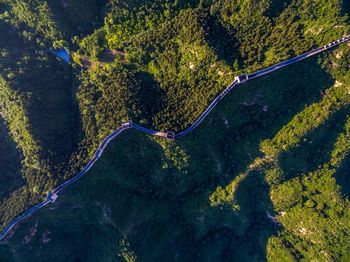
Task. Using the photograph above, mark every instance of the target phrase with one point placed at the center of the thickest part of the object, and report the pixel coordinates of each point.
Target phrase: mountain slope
(262, 178)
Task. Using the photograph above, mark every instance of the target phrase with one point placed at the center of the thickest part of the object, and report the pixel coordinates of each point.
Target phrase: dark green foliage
(10, 163)
(276, 149)
(320, 142)
(40, 111)
(78, 17)
(46, 96)
(343, 179)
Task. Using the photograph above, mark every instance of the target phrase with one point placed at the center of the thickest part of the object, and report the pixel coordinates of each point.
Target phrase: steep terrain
(265, 175)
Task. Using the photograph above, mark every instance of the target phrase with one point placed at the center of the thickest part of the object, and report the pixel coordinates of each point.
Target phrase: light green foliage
(314, 215)
(94, 44)
(10, 162)
(259, 179)
(311, 208)
(175, 157)
(342, 146)
(309, 119)
(38, 16)
(226, 195)
(14, 113)
(125, 251)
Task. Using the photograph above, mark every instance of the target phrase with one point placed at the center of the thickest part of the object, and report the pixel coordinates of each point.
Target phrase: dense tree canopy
(266, 175)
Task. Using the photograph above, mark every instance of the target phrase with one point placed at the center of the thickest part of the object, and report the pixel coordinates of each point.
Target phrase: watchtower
(242, 78)
(170, 135)
(127, 125)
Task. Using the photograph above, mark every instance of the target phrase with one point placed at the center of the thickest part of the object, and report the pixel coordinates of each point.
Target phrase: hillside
(263, 178)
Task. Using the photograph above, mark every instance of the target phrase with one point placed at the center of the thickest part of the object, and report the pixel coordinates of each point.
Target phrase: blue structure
(62, 54)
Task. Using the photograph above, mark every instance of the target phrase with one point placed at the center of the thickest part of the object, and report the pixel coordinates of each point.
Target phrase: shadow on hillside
(10, 164)
(276, 7)
(239, 123)
(78, 17)
(46, 85)
(343, 178)
(3, 8)
(151, 97)
(238, 126)
(224, 43)
(254, 201)
(316, 148)
(148, 199)
(6, 254)
(346, 7)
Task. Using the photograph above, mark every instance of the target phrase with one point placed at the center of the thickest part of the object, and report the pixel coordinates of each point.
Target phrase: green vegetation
(46, 140)
(10, 163)
(265, 177)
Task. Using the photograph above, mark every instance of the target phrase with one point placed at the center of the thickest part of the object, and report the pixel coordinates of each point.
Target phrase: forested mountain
(265, 176)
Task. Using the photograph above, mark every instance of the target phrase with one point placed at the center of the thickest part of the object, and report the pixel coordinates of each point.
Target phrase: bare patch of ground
(46, 237)
(30, 235)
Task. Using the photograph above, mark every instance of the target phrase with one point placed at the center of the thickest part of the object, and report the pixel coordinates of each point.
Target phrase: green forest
(264, 178)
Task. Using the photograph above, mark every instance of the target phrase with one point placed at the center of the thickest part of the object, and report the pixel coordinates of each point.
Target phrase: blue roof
(62, 54)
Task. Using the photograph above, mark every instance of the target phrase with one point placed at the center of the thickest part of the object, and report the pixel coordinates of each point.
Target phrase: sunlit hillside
(264, 177)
